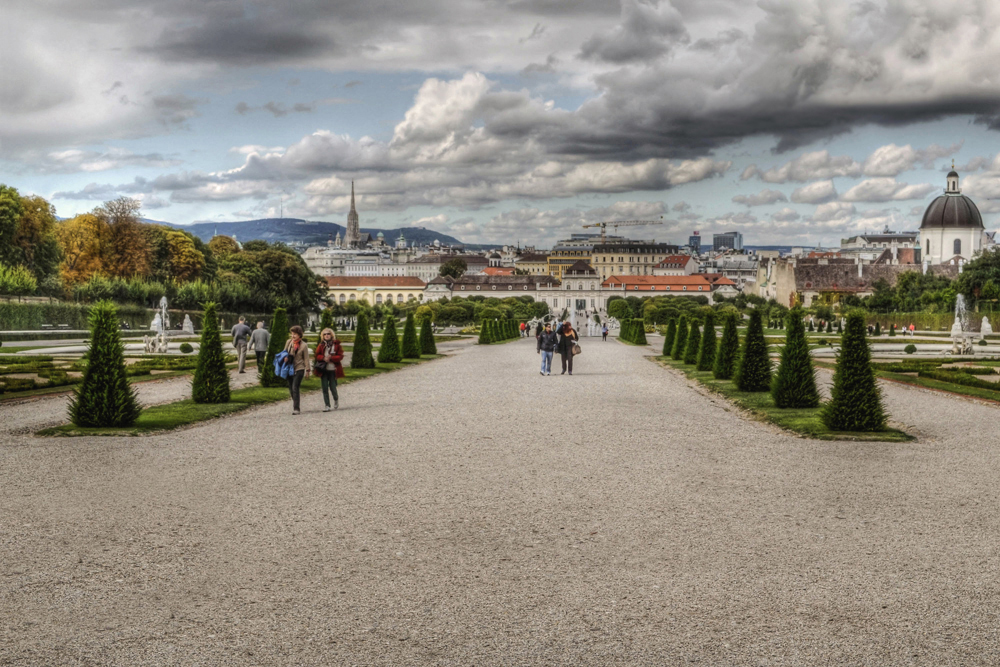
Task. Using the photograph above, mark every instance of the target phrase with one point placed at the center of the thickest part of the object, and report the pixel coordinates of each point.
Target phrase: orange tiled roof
(373, 281)
(498, 271)
(665, 283)
(670, 260)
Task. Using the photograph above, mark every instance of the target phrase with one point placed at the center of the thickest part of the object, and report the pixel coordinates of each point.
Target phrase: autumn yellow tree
(221, 246)
(86, 247)
(186, 262)
(35, 237)
(130, 251)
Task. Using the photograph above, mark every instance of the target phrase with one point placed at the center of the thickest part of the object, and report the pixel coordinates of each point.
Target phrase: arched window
(354, 297)
(343, 298)
(958, 246)
(378, 298)
(592, 286)
(579, 286)
(399, 298)
(928, 247)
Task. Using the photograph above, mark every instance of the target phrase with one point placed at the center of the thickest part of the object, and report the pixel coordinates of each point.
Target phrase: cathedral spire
(352, 237)
(352, 198)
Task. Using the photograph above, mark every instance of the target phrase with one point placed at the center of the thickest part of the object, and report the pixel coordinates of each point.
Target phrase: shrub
(279, 335)
(910, 349)
(855, 399)
(211, 377)
(639, 332)
(389, 353)
(840, 327)
(794, 384)
(668, 338)
(619, 309)
(829, 327)
(680, 340)
(186, 348)
(728, 350)
(892, 329)
(411, 343)
(754, 372)
(361, 356)
(104, 396)
(427, 344)
(982, 342)
(811, 326)
(484, 333)
(693, 343)
(878, 329)
(957, 377)
(706, 351)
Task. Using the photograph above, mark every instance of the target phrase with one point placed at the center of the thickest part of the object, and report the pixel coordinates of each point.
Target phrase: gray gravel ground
(471, 512)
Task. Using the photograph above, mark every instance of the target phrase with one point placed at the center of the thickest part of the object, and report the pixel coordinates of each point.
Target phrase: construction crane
(622, 223)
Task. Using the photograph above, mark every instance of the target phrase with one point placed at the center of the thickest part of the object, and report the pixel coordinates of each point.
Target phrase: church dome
(952, 210)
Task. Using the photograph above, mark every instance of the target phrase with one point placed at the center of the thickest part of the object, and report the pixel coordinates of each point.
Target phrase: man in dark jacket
(547, 343)
(567, 339)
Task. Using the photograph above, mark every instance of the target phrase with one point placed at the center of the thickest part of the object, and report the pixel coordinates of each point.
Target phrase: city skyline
(794, 123)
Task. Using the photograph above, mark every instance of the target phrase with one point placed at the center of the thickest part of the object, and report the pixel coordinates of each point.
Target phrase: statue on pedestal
(188, 326)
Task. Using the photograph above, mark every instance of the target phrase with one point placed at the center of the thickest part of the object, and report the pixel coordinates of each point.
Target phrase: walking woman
(567, 340)
(298, 355)
(328, 368)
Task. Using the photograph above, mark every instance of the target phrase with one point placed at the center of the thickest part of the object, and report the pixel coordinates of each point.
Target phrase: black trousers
(294, 384)
(567, 360)
(260, 360)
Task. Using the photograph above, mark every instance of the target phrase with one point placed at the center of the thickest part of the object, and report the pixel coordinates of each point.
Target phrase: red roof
(690, 283)
(373, 281)
(671, 260)
(499, 271)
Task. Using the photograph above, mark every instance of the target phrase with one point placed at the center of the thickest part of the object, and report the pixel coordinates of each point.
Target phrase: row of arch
(378, 298)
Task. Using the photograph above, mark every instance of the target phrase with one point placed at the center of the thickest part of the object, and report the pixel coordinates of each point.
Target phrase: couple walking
(326, 365)
(564, 340)
(258, 341)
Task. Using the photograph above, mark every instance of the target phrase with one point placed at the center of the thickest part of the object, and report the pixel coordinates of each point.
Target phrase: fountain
(961, 337)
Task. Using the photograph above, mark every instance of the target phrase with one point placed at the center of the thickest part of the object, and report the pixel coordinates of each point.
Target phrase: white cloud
(834, 210)
(892, 160)
(887, 189)
(786, 215)
(812, 166)
(815, 193)
(763, 198)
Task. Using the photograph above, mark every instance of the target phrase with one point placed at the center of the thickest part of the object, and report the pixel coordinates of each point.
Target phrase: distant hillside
(290, 230)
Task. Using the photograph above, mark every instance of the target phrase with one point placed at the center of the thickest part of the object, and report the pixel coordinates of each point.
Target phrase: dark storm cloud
(241, 42)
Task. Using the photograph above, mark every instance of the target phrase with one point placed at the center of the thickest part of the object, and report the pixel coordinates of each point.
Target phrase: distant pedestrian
(522, 327)
(567, 341)
(538, 329)
(259, 340)
(298, 355)
(911, 329)
(241, 335)
(328, 368)
(604, 332)
(547, 342)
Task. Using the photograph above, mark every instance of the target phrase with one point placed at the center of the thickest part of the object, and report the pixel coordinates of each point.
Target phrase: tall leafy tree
(36, 238)
(85, 241)
(794, 384)
(754, 372)
(706, 351)
(211, 377)
(453, 268)
(130, 249)
(11, 210)
(680, 341)
(855, 399)
(104, 397)
(729, 350)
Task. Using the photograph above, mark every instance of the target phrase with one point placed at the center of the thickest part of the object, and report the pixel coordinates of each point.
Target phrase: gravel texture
(471, 512)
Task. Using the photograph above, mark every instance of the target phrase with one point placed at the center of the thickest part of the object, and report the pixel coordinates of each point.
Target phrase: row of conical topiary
(856, 400)
(105, 398)
(498, 331)
(633, 331)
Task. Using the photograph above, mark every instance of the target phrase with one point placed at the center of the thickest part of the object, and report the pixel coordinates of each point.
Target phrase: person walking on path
(298, 355)
(538, 329)
(604, 332)
(328, 368)
(567, 340)
(522, 327)
(241, 334)
(547, 343)
(259, 340)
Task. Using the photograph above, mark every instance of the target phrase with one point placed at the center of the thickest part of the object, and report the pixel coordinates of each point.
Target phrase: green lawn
(183, 413)
(803, 421)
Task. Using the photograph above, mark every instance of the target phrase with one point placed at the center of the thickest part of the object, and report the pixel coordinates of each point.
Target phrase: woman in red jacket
(328, 368)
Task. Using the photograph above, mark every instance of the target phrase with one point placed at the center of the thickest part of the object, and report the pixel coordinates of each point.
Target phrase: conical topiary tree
(754, 372)
(811, 328)
(892, 329)
(639, 332)
(279, 335)
(389, 352)
(829, 327)
(427, 344)
(840, 327)
(855, 399)
(680, 340)
(484, 332)
(411, 343)
(104, 396)
(211, 377)
(706, 351)
(878, 329)
(361, 355)
(693, 344)
(668, 338)
(728, 351)
(794, 384)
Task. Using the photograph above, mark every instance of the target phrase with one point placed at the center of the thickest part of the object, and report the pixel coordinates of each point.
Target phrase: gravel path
(471, 512)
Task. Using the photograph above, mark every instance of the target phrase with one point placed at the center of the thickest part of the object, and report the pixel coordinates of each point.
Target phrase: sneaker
(295, 412)
(336, 404)
(541, 373)
(548, 373)
(326, 408)
(242, 371)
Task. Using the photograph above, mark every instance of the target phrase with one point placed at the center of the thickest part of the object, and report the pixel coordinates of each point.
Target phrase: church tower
(353, 235)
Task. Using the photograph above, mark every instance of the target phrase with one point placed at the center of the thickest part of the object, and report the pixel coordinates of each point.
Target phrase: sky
(796, 122)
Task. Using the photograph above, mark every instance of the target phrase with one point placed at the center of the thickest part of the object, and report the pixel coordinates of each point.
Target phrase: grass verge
(802, 421)
(174, 415)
